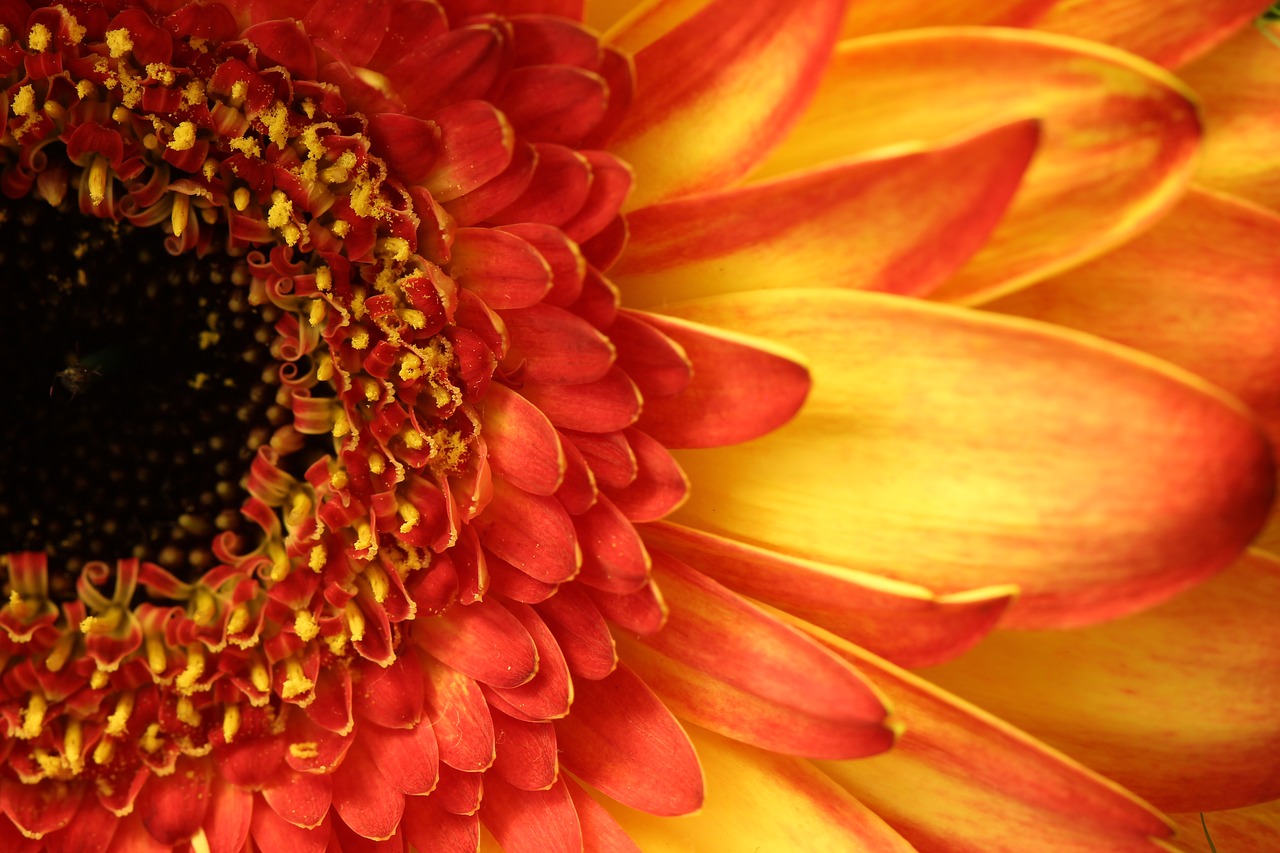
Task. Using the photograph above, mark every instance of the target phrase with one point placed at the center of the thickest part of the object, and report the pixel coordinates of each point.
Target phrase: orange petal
(900, 221)
(1199, 289)
(748, 789)
(957, 450)
(741, 388)
(902, 622)
(961, 781)
(1251, 830)
(717, 91)
(724, 664)
(1176, 703)
(1168, 33)
(1241, 101)
(1118, 145)
(884, 16)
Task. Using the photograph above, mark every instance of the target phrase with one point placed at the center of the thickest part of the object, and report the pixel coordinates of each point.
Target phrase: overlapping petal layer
(987, 787)
(1141, 699)
(1117, 146)
(953, 450)
(898, 220)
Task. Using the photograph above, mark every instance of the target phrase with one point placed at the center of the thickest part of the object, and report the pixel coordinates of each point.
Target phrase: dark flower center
(139, 386)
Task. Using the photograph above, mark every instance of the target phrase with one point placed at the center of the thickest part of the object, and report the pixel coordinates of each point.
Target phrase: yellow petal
(1178, 703)
(1241, 102)
(1118, 144)
(962, 781)
(956, 450)
(884, 16)
(1252, 830)
(759, 800)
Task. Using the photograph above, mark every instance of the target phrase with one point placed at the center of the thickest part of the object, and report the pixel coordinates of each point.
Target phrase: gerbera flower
(365, 498)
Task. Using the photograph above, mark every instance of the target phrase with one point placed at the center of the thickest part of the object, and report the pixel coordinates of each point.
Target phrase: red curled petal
(554, 103)
(476, 145)
(302, 799)
(482, 640)
(460, 718)
(524, 448)
(363, 797)
(621, 739)
(526, 753)
(531, 532)
(554, 346)
(40, 808)
(741, 389)
(173, 807)
(531, 821)
(502, 269)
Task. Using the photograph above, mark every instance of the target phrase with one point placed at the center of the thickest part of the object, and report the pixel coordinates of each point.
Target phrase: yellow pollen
(364, 535)
(355, 621)
(178, 216)
(324, 370)
(184, 137)
(33, 717)
(277, 121)
(377, 463)
(239, 619)
(412, 317)
(84, 89)
(372, 390)
(316, 312)
(247, 147)
(379, 585)
(230, 722)
(410, 367)
(103, 751)
(396, 247)
(206, 607)
(305, 749)
(317, 558)
(341, 426)
(118, 722)
(98, 180)
(54, 110)
(160, 71)
(360, 339)
(239, 91)
(291, 234)
(280, 564)
(411, 516)
(299, 508)
(39, 38)
(193, 93)
(75, 30)
(151, 142)
(119, 43)
(200, 842)
(324, 278)
(98, 680)
(150, 740)
(187, 679)
(187, 712)
(357, 302)
(259, 677)
(156, 658)
(73, 745)
(306, 626)
(240, 198)
(295, 681)
(281, 212)
(337, 643)
(341, 227)
(24, 103)
(412, 439)
(338, 479)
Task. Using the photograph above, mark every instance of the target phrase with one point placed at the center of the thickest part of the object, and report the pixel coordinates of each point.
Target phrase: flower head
(352, 524)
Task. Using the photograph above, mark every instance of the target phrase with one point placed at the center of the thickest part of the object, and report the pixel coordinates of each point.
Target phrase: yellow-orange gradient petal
(955, 449)
(1201, 289)
(883, 16)
(717, 92)
(1237, 84)
(1169, 32)
(904, 623)
(1118, 140)
(962, 781)
(1252, 830)
(899, 220)
(1178, 703)
(759, 800)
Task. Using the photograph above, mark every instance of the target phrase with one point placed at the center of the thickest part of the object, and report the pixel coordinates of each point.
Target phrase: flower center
(142, 384)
